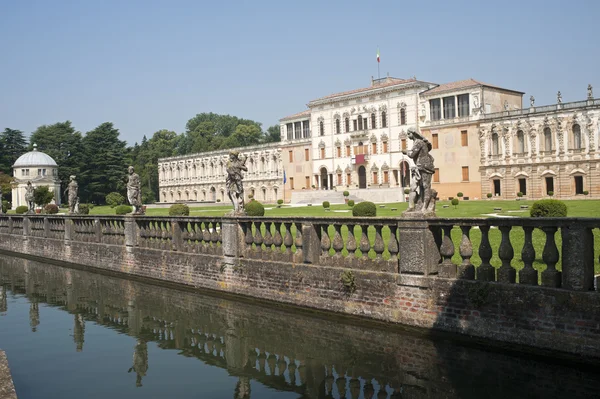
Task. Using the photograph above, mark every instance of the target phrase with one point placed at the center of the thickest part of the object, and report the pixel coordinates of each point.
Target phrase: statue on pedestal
(559, 97)
(532, 101)
(590, 92)
(29, 197)
(421, 199)
(73, 189)
(235, 188)
(134, 192)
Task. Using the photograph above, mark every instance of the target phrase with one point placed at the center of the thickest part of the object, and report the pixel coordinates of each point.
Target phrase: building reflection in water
(312, 357)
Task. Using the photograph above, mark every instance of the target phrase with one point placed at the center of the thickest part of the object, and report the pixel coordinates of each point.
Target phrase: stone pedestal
(577, 258)
(311, 244)
(130, 231)
(418, 250)
(232, 238)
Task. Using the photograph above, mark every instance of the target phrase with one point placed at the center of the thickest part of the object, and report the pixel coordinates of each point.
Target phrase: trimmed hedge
(5, 206)
(459, 194)
(21, 209)
(179, 210)
(84, 209)
(51, 209)
(365, 208)
(454, 202)
(548, 208)
(279, 201)
(519, 194)
(350, 203)
(346, 193)
(254, 208)
(489, 195)
(122, 209)
(326, 204)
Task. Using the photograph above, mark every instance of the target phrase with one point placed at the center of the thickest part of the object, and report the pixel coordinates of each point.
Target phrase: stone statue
(559, 97)
(30, 198)
(140, 361)
(506, 105)
(590, 94)
(73, 189)
(532, 101)
(134, 192)
(421, 197)
(235, 188)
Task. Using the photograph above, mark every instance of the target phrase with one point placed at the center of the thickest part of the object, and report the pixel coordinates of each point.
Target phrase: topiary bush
(21, 209)
(5, 206)
(326, 204)
(585, 192)
(365, 208)
(254, 208)
(489, 195)
(51, 209)
(121, 209)
(114, 199)
(551, 193)
(548, 208)
(84, 209)
(407, 191)
(179, 210)
(459, 194)
(279, 201)
(346, 193)
(454, 202)
(351, 203)
(519, 194)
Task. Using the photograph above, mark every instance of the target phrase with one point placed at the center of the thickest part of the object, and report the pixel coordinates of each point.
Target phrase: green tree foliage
(42, 195)
(5, 181)
(12, 146)
(64, 145)
(114, 199)
(273, 134)
(106, 163)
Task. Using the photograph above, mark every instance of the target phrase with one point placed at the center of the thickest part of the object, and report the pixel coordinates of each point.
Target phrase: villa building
(39, 169)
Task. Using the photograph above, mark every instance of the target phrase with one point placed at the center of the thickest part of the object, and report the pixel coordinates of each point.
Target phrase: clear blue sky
(150, 65)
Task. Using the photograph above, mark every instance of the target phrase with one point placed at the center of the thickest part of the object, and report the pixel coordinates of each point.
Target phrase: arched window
(576, 137)
(547, 139)
(338, 128)
(383, 119)
(360, 122)
(495, 145)
(520, 142)
(321, 128)
(373, 122)
(402, 116)
(347, 124)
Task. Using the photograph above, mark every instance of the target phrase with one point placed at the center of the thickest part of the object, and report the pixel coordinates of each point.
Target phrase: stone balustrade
(522, 250)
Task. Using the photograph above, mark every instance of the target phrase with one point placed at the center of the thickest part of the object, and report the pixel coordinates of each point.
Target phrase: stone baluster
(298, 241)
(528, 275)
(206, 235)
(550, 277)
(338, 241)
(258, 238)
(486, 271)
(351, 244)
(288, 240)
(466, 270)
(248, 239)
(97, 230)
(214, 235)
(365, 244)
(447, 269)
(268, 238)
(325, 240)
(46, 226)
(506, 253)
(393, 243)
(277, 238)
(378, 245)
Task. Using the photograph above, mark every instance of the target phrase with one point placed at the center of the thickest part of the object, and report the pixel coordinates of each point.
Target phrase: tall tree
(64, 144)
(106, 163)
(12, 146)
(272, 135)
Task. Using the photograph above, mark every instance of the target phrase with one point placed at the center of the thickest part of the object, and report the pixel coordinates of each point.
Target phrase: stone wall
(292, 261)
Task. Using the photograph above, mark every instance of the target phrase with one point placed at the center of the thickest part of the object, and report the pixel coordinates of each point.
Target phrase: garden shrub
(122, 209)
(365, 208)
(585, 192)
(254, 208)
(548, 208)
(407, 191)
(551, 193)
(346, 193)
(279, 201)
(351, 203)
(519, 194)
(42, 195)
(114, 199)
(5, 206)
(489, 195)
(454, 202)
(51, 209)
(459, 194)
(84, 209)
(21, 209)
(326, 204)
(179, 210)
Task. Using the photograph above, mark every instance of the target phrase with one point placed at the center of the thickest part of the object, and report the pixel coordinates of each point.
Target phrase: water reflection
(288, 352)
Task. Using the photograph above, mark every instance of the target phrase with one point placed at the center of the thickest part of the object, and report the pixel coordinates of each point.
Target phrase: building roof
(462, 84)
(296, 116)
(34, 158)
(388, 82)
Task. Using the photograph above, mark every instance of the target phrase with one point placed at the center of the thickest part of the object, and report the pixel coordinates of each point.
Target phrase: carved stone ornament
(532, 137)
(373, 138)
(383, 107)
(338, 143)
(589, 126)
(531, 101)
(352, 110)
(322, 144)
(320, 119)
(374, 167)
(336, 116)
(385, 166)
(346, 115)
(134, 192)
(235, 188)
(421, 199)
(338, 169)
(348, 170)
(505, 137)
(384, 137)
(347, 142)
(402, 134)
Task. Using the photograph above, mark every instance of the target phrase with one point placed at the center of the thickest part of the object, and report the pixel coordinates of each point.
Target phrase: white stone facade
(37, 168)
(201, 177)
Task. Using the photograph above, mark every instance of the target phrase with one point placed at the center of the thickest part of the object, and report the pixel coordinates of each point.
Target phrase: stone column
(577, 257)
(131, 232)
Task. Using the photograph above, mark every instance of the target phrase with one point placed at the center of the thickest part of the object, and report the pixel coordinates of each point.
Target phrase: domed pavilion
(38, 168)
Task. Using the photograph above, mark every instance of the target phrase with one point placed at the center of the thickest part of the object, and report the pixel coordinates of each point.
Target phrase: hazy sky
(151, 65)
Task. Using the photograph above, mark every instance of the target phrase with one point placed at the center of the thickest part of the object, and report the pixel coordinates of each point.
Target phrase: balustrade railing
(155, 233)
(199, 235)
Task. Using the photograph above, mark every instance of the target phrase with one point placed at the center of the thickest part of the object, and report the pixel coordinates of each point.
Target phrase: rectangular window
(403, 144)
(347, 124)
(463, 105)
(291, 183)
(578, 184)
(291, 155)
(374, 148)
(464, 138)
(355, 124)
(549, 184)
(449, 110)
(306, 132)
(347, 150)
(289, 130)
(465, 173)
(434, 141)
(523, 186)
(322, 153)
(497, 191)
(348, 178)
(375, 180)
(436, 175)
(435, 111)
(298, 130)
(339, 179)
(338, 151)
(385, 147)
(306, 155)
(307, 181)
(386, 177)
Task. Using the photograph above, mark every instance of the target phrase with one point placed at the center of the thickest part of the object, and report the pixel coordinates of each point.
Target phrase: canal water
(75, 334)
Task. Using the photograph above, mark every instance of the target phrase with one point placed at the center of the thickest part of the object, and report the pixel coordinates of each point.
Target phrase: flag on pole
(378, 59)
(284, 177)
